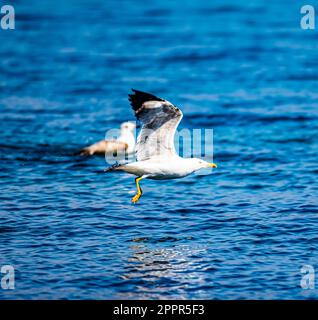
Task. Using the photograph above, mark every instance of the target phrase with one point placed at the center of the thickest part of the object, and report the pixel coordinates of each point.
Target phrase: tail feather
(85, 152)
(113, 167)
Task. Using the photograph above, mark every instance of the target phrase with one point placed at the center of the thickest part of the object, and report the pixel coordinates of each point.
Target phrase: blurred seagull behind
(124, 144)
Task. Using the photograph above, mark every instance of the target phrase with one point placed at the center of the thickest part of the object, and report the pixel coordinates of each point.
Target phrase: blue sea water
(245, 69)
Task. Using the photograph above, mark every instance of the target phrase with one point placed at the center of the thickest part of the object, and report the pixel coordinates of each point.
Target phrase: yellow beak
(213, 165)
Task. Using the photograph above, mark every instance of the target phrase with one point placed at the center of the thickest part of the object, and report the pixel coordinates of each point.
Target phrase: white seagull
(156, 155)
(125, 144)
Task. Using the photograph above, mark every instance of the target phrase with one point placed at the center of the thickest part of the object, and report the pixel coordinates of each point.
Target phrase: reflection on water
(156, 270)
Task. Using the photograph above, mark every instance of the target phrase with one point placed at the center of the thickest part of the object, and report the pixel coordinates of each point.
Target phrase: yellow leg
(139, 191)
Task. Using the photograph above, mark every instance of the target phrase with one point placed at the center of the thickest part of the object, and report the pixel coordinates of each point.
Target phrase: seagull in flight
(155, 151)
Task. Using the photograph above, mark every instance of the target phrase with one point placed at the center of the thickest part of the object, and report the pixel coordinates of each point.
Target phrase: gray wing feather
(156, 138)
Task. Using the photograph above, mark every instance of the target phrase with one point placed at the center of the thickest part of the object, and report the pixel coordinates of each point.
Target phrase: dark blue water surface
(245, 69)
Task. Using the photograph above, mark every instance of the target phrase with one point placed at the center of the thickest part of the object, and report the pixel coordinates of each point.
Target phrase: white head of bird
(127, 134)
(197, 164)
(128, 126)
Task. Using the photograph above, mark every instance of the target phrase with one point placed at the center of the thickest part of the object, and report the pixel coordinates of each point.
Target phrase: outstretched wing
(160, 120)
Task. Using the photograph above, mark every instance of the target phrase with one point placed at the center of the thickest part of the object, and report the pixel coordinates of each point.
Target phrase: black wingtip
(139, 97)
